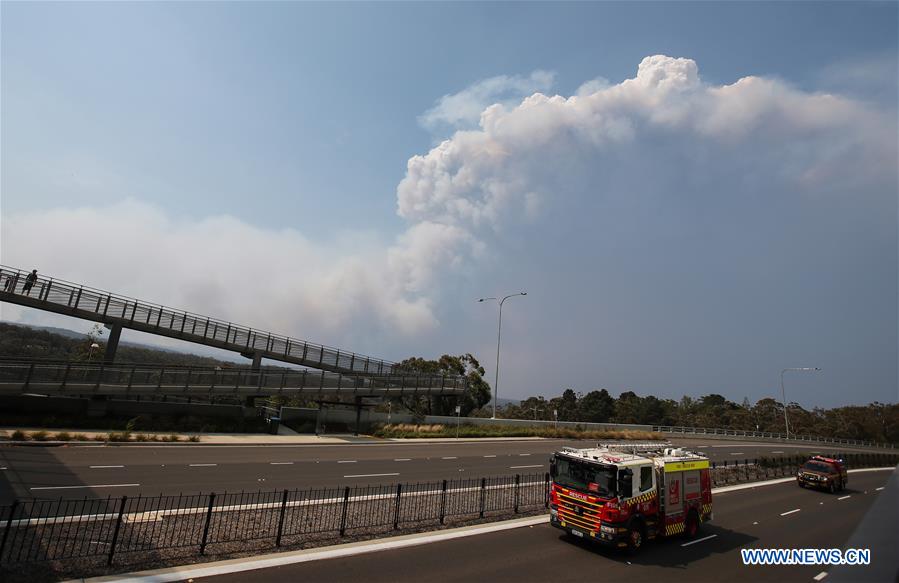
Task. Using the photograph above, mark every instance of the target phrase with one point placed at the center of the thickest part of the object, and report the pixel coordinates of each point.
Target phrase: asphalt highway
(101, 471)
(774, 516)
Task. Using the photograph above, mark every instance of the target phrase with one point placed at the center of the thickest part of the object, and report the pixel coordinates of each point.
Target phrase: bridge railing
(20, 376)
(109, 306)
(700, 431)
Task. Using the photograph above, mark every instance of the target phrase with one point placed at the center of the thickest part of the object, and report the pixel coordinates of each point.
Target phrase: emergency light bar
(635, 447)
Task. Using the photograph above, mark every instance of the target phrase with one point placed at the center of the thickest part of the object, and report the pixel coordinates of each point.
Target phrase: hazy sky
(694, 196)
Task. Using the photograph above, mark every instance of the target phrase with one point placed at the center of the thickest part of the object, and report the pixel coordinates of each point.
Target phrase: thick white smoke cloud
(522, 159)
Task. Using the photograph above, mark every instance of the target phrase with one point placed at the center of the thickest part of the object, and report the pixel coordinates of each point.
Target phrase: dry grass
(407, 430)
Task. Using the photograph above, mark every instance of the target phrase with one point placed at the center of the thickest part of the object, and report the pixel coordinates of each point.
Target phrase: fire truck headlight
(608, 529)
(553, 512)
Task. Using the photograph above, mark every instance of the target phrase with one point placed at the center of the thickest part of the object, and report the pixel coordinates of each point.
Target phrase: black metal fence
(751, 470)
(140, 529)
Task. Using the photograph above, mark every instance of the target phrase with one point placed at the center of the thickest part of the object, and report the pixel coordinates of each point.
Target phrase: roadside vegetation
(407, 430)
(112, 436)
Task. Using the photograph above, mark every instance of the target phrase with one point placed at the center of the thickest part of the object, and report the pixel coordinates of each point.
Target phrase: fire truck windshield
(596, 478)
(817, 467)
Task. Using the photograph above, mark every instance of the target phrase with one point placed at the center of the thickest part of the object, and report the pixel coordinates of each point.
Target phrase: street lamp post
(783, 393)
(499, 334)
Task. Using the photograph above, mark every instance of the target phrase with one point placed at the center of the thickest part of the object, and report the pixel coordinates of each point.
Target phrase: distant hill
(18, 340)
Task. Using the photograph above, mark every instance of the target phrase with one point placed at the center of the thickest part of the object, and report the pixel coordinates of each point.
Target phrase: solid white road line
(484, 456)
(699, 540)
(281, 463)
(345, 550)
(403, 459)
(87, 486)
(346, 461)
(790, 511)
(844, 497)
(522, 467)
(201, 465)
(820, 576)
(449, 457)
(370, 475)
(103, 467)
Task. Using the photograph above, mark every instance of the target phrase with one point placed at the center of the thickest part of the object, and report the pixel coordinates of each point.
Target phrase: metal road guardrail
(73, 299)
(94, 532)
(80, 378)
(766, 435)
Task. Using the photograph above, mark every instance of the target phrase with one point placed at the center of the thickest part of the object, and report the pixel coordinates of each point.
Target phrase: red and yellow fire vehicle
(622, 495)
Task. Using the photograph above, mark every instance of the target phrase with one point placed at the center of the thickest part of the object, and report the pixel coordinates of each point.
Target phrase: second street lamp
(783, 393)
(499, 334)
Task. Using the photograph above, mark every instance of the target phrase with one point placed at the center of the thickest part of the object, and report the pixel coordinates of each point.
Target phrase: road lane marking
(103, 467)
(490, 456)
(449, 457)
(3, 468)
(522, 467)
(86, 486)
(403, 459)
(878, 489)
(820, 576)
(778, 451)
(281, 463)
(201, 465)
(699, 540)
(346, 461)
(523, 454)
(737, 453)
(790, 511)
(370, 475)
(844, 497)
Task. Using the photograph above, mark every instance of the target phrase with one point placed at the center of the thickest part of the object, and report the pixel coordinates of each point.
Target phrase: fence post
(346, 503)
(517, 491)
(12, 512)
(281, 519)
(206, 527)
(443, 502)
(115, 533)
(483, 496)
(396, 509)
(546, 490)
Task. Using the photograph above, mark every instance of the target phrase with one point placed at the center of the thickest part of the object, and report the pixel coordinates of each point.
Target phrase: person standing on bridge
(29, 281)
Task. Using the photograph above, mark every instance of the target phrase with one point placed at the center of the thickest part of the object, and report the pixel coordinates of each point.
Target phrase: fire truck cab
(622, 495)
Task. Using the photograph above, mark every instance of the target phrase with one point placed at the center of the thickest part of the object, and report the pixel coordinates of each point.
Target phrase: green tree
(597, 406)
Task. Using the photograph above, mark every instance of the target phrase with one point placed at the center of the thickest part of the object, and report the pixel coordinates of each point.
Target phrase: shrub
(79, 437)
(99, 437)
(141, 437)
(118, 436)
(171, 437)
(18, 435)
(62, 436)
(40, 436)
(194, 438)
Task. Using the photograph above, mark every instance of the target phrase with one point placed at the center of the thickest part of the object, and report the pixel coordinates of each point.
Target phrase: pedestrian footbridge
(118, 311)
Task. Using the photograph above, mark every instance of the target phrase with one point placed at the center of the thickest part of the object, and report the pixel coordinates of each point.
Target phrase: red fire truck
(622, 495)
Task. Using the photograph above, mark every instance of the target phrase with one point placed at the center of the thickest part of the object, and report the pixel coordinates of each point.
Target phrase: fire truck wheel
(832, 488)
(692, 525)
(635, 537)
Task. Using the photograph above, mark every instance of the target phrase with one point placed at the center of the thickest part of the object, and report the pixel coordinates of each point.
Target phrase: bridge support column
(358, 414)
(257, 360)
(112, 343)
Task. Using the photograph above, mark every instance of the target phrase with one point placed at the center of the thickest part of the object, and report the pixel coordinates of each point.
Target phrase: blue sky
(252, 160)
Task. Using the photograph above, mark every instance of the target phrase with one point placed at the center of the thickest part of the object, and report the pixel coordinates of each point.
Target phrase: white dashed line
(699, 540)
(820, 576)
(403, 459)
(522, 467)
(489, 456)
(844, 497)
(449, 457)
(523, 454)
(3, 468)
(790, 512)
(281, 463)
(202, 465)
(93, 486)
(737, 453)
(878, 489)
(346, 461)
(104, 467)
(778, 451)
(369, 475)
